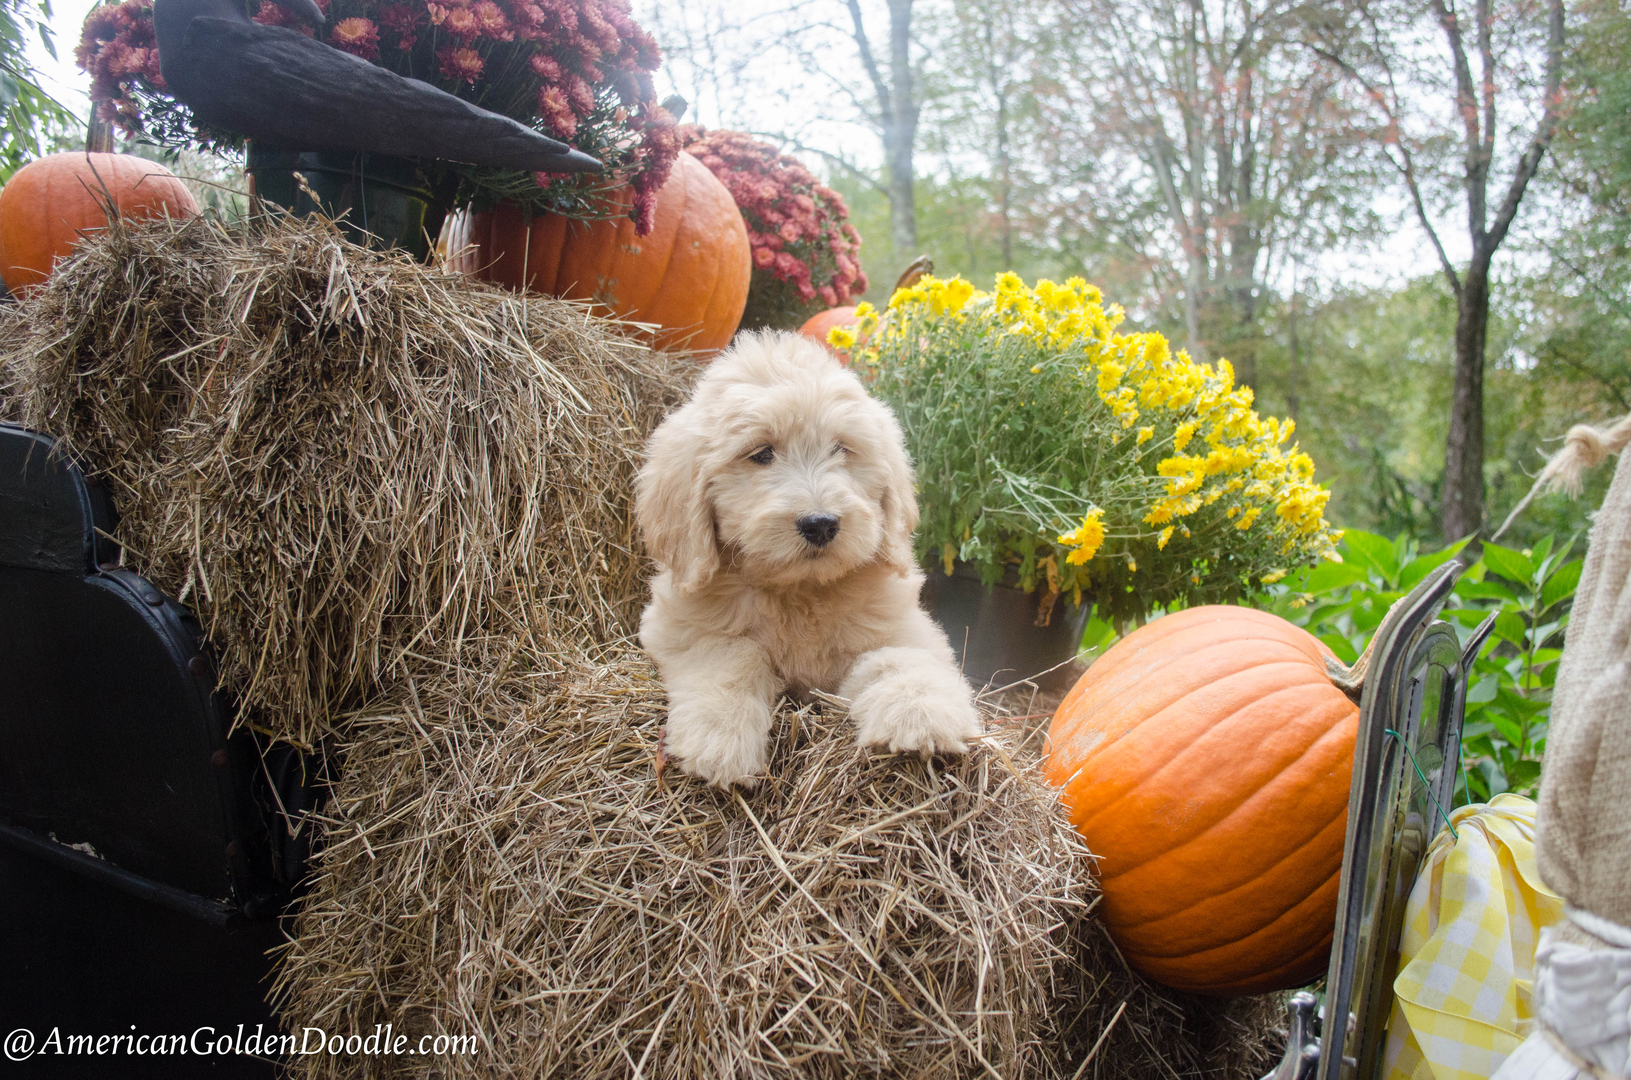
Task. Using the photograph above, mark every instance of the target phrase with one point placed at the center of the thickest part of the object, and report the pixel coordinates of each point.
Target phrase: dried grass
(533, 883)
(400, 502)
(344, 461)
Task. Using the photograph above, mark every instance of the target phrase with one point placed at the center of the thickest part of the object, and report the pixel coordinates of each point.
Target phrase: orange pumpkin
(816, 326)
(53, 201)
(1206, 759)
(689, 275)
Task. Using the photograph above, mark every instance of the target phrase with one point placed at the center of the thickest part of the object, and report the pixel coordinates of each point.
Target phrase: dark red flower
(459, 64)
(359, 37)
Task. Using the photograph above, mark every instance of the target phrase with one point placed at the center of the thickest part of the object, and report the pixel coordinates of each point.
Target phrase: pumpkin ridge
(682, 169)
(1331, 730)
(1150, 775)
(1293, 970)
(1190, 621)
(1271, 929)
(1100, 686)
(1129, 927)
(1114, 692)
(719, 283)
(1276, 978)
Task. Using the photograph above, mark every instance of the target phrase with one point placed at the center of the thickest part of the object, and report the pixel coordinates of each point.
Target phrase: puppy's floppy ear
(899, 498)
(671, 504)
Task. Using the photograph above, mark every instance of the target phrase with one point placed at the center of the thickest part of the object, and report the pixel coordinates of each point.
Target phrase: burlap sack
(1583, 843)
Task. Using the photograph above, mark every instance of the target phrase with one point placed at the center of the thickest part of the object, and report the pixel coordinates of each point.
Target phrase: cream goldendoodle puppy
(778, 504)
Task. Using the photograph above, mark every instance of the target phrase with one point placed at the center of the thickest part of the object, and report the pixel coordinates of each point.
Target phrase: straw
(400, 503)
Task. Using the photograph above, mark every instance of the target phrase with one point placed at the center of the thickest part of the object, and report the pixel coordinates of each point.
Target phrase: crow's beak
(575, 161)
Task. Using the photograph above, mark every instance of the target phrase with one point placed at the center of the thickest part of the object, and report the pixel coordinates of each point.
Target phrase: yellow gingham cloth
(1462, 998)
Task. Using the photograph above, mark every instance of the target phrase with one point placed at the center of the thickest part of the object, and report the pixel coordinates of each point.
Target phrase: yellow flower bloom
(1084, 540)
(1243, 468)
(841, 337)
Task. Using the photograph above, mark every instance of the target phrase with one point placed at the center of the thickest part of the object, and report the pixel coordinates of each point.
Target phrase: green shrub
(1509, 696)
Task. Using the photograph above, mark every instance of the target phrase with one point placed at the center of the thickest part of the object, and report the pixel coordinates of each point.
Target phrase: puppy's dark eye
(763, 456)
(840, 448)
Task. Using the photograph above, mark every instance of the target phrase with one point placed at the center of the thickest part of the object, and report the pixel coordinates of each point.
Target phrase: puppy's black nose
(818, 529)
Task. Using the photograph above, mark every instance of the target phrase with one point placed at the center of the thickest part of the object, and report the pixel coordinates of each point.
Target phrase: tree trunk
(900, 133)
(1463, 509)
(1005, 179)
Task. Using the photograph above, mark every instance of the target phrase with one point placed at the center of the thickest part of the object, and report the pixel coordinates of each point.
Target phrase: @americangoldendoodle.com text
(23, 1044)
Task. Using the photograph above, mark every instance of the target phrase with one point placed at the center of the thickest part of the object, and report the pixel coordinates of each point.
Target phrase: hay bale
(529, 881)
(400, 502)
(350, 465)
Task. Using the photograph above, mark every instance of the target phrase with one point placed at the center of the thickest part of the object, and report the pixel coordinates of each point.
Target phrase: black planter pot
(377, 201)
(993, 629)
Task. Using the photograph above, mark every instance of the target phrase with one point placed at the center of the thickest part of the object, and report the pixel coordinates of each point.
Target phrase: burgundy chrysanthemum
(798, 227)
(580, 69)
(359, 37)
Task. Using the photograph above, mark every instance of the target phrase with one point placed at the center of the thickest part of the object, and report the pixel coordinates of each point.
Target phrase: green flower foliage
(1057, 451)
(1509, 698)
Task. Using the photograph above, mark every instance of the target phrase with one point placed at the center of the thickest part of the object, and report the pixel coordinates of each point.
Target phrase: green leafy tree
(32, 118)
(1444, 80)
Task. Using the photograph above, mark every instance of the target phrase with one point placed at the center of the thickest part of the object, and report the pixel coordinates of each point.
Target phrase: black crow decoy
(290, 91)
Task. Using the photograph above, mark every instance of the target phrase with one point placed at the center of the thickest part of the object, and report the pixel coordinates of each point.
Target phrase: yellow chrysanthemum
(1084, 540)
(1226, 466)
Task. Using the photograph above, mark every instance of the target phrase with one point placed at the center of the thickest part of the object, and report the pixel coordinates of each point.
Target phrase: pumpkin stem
(919, 267)
(1350, 679)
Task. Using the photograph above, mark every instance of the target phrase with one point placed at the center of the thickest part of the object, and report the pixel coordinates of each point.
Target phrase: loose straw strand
(1584, 447)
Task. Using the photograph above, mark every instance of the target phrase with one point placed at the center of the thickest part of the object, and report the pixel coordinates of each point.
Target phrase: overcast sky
(1403, 254)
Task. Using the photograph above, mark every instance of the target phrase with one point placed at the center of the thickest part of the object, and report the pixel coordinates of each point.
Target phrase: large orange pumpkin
(689, 275)
(1206, 759)
(53, 201)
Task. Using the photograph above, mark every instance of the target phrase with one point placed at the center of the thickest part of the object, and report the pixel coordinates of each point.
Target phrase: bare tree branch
(1405, 163)
(1545, 130)
(864, 47)
(849, 168)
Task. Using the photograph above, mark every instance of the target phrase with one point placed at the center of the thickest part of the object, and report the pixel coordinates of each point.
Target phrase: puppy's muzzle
(817, 529)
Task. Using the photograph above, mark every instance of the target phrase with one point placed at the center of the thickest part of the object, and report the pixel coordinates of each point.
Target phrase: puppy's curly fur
(778, 503)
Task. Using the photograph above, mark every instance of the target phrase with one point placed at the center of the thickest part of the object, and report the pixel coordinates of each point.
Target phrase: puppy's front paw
(718, 739)
(915, 708)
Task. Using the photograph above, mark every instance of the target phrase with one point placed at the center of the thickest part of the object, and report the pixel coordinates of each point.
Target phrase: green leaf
(1517, 706)
(1329, 576)
(1509, 626)
(1484, 590)
(1469, 617)
(1339, 645)
(1512, 565)
(1372, 551)
(1422, 565)
(1541, 552)
(1483, 691)
(1561, 585)
(1508, 728)
(1493, 776)
(1523, 774)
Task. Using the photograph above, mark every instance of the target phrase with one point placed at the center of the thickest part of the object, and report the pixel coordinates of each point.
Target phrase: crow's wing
(288, 90)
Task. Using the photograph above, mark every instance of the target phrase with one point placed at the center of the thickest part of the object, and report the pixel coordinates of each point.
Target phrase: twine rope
(1584, 447)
